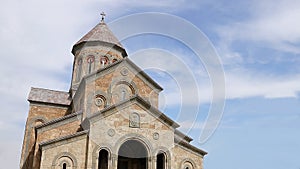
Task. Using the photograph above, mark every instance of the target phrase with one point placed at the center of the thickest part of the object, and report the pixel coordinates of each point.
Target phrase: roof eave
(78, 46)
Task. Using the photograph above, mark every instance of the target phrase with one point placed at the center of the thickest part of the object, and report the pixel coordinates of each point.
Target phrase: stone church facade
(109, 119)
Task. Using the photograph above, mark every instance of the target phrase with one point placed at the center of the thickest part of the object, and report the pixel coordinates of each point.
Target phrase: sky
(257, 43)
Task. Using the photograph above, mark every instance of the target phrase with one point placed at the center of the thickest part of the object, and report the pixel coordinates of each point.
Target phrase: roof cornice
(146, 105)
(133, 65)
(80, 45)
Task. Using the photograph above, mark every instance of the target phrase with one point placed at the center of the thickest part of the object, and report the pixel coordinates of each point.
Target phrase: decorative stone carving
(111, 132)
(99, 101)
(134, 120)
(155, 136)
(124, 71)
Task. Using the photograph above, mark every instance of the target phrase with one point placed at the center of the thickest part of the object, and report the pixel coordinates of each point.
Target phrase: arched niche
(103, 159)
(132, 154)
(121, 90)
(163, 158)
(64, 159)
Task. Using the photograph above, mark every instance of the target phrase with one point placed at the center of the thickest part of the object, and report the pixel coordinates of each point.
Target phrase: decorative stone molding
(155, 136)
(137, 137)
(187, 164)
(167, 154)
(134, 120)
(124, 71)
(128, 82)
(64, 154)
(94, 99)
(96, 151)
(111, 132)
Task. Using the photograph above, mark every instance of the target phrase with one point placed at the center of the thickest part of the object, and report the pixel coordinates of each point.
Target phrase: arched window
(103, 61)
(114, 60)
(64, 160)
(122, 91)
(64, 166)
(79, 69)
(90, 61)
(132, 155)
(103, 159)
(123, 94)
(160, 161)
(188, 165)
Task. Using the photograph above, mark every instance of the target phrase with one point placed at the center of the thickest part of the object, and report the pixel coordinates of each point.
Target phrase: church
(109, 119)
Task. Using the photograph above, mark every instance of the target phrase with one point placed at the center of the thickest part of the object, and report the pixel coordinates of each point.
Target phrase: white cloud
(254, 84)
(275, 24)
(184, 81)
(240, 82)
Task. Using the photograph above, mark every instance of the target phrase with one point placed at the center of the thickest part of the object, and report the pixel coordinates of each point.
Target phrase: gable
(123, 70)
(113, 84)
(133, 117)
(134, 104)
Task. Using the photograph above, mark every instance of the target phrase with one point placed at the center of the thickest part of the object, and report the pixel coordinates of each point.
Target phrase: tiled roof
(49, 96)
(100, 32)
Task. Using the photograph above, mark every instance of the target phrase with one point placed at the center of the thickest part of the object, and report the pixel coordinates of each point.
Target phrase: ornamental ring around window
(124, 71)
(99, 101)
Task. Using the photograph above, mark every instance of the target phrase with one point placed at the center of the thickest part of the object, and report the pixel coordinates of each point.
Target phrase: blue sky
(258, 43)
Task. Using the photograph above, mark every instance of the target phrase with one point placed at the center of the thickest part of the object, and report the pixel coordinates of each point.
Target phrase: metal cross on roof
(103, 15)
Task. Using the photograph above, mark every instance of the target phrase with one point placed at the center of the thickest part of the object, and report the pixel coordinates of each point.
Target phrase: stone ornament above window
(90, 59)
(155, 136)
(124, 71)
(114, 60)
(103, 60)
(100, 100)
(111, 132)
(134, 120)
(188, 165)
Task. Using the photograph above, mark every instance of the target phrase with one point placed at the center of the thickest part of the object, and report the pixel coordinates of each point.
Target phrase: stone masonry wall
(112, 129)
(181, 156)
(54, 133)
(71, 151)
(38, 114)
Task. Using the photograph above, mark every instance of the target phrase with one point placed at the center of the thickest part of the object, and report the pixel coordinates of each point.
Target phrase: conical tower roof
(102, 33)
(99, 35)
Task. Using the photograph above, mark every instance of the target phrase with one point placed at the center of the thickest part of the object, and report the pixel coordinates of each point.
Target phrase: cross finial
(103, 15)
